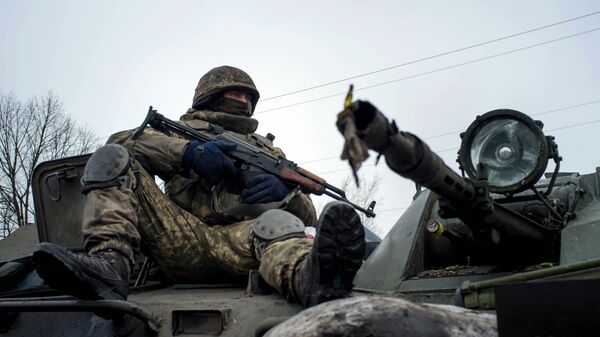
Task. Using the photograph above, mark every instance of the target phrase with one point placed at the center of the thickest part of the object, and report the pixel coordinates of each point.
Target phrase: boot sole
(340, 248)
(69, 278)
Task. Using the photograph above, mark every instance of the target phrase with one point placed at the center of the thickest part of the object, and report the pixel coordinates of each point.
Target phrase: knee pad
(272, 226)
(276, 225)
(109, 166)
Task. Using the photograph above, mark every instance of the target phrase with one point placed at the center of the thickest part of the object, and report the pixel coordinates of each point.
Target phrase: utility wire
(419, 60)
(430, 72)
(456, 148)
(319, 159)
(435, 70)
(459, 131)
(566, 108)
(447, 133)
(431, 57)
(560, 128)
(391, 209)
(534, 114)
(373, 164)
(574, 125)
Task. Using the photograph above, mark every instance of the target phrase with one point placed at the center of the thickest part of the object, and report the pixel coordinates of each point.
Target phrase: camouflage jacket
(161, 155)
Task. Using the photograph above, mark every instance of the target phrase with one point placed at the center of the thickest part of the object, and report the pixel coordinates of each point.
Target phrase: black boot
(339, 247)
(101, 276)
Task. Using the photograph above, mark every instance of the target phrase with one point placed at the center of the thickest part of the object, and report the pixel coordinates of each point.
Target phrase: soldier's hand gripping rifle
(245, 153)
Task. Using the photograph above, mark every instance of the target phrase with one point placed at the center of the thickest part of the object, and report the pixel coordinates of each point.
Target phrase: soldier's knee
(275, 225)
(110, 166)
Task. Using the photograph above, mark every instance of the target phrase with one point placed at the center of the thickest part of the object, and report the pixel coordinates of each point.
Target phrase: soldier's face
(238, 95)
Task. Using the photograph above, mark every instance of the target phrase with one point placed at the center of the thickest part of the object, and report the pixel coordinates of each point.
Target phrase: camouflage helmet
(221, 79)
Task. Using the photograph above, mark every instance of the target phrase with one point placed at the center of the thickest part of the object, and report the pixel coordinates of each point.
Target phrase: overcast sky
(110, 60)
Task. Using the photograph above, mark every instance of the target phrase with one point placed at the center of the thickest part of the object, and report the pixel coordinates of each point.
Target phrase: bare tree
(362, 196)
(31, 133)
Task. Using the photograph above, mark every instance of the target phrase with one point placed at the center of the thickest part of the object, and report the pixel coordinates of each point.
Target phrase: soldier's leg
(120, 218)
(302, 270)
(176, 239)
(122, 208)
(105, 273)
(236, 250)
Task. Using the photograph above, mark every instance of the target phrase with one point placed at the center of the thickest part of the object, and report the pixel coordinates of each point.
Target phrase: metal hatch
(58, 200)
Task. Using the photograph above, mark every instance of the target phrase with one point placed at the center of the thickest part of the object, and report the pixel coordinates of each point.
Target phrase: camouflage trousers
(184, 247)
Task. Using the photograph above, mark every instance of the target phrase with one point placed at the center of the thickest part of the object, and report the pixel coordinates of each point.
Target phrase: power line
(428, 58)
(456, 148)
(560, 128)
(456, 132)
(343, 170)
(451, 132)
(318, 159)
(431, 57)
(391, 209)
(534, 114)
(435, 70)
(574, 125)
(459, 131)
(566, 108)
(373, 164)
(430, 72)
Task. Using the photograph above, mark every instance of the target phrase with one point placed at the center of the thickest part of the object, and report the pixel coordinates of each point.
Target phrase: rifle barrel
(369, 213)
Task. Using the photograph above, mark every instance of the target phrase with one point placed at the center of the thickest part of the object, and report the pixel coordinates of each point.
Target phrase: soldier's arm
(158, 153)
(301, 205)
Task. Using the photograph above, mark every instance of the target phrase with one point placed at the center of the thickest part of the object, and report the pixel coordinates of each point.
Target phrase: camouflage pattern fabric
(178, 229)
(279, 261)
(220, 79)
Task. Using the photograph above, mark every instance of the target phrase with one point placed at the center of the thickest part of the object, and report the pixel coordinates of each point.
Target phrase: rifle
(285, 169)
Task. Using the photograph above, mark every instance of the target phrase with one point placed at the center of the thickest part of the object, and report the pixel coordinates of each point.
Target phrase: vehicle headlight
(512, 147)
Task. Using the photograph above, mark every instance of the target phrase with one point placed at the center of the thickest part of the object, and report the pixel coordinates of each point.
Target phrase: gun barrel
(368, 212)
(410, 157)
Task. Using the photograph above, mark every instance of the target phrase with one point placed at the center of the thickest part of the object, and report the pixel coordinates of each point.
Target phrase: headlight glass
(511, 146)
(508, 149)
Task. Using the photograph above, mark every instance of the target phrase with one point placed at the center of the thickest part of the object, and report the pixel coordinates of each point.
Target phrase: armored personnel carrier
(502, 237)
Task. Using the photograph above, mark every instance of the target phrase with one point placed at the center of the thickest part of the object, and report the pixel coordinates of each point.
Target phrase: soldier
(212, 222)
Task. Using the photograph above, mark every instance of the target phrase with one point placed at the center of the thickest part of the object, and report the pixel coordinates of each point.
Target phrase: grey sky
(109, 60)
